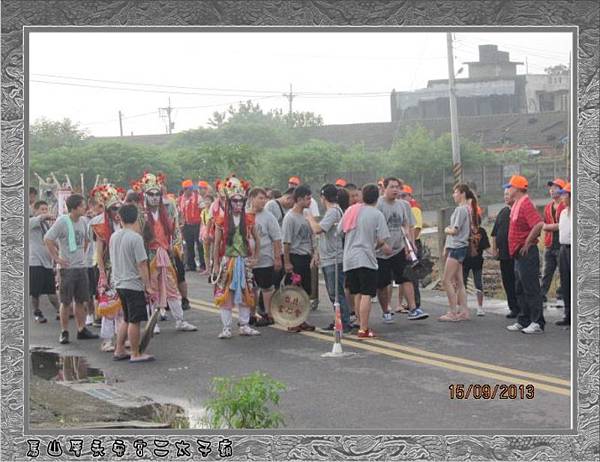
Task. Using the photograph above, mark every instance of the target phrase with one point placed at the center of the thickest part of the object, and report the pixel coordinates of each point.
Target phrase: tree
(45, 135)
(559, 69)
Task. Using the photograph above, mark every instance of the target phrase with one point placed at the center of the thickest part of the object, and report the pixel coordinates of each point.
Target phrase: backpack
(474, 240)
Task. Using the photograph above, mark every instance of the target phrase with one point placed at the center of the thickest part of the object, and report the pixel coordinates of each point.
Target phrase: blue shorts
(458, 254)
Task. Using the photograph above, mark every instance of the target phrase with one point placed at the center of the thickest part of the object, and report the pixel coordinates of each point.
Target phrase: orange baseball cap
(566, 189)
(187, 184)
(407, 189)
(517, 181)
(294, 180)
(558, 182)
(202, 184)
(341, 182)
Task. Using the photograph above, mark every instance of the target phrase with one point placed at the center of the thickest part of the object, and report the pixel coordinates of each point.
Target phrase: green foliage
(259, 146)
(416, 151)
(243, 403)
(45, 134)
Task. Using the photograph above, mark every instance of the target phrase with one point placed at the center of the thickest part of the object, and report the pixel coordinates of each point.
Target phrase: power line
(102, 122)
(525, 50)
(121, 82)
(72, 84)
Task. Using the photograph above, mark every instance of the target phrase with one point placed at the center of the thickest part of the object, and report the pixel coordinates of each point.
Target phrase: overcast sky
(97, 74)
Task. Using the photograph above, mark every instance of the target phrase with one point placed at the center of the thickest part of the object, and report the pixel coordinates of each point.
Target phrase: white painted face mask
(237, 204)
(153, 201)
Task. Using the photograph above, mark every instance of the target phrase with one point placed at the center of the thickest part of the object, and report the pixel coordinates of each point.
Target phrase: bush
(243, 403)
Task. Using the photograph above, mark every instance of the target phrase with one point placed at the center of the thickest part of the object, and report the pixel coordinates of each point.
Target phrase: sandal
(121, 357)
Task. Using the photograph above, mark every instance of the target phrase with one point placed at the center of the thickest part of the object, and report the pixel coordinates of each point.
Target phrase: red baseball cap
(341, 182)
(294, 180)
(558, 182)
(407, 189)
(517, 181)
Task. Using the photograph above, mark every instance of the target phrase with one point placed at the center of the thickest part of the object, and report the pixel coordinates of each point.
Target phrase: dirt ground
(56, 406)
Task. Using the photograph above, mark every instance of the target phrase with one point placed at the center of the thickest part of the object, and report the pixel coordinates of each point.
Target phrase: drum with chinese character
(290, 306)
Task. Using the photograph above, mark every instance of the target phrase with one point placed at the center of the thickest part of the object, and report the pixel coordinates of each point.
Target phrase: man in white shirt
(564, 257)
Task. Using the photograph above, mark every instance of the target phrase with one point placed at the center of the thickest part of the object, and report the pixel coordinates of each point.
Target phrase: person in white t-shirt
(564, 256)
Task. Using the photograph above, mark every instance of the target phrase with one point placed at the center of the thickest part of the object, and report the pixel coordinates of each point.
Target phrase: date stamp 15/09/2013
(487, 391)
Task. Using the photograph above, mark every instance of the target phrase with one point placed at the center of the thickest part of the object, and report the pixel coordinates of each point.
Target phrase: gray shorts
(74, 285)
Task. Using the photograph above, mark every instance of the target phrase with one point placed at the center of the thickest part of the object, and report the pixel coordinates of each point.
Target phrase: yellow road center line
(361, 344)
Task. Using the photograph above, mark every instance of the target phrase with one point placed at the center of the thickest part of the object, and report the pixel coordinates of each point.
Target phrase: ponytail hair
(470, 195)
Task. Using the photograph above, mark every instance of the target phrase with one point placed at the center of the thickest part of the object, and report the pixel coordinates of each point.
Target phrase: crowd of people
(116, 257)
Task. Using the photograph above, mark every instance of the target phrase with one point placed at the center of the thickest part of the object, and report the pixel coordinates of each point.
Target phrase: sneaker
(480, 312)
(226, 333)
(417, 313)
(448, 317)
(156, 330)
(85, 334)
(387, 318)
(64, 337)
(563, 322)
(107, 346)
(185, 326)
(89, 319)
(330, 327)
(39, 317)
(247, 331)
(366, 334)
(163, 315)
(353, 317)
(314, 304)
(515, 327)
(511, 315)
(373, 299)
(185, 304)
(533, 328)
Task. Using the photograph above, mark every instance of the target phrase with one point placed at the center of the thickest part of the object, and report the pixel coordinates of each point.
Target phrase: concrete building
(493, 87)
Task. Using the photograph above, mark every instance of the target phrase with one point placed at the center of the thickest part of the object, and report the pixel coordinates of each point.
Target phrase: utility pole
(456, 163)
(121, 122)
(166, 112)
(290, 96)
(569, 129)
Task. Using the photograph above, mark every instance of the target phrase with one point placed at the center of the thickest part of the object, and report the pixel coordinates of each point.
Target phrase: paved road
(397, 382)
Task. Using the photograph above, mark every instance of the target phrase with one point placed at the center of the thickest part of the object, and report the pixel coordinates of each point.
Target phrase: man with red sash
(523, 232)
(162, 240)
(189, 209)
(552, 246)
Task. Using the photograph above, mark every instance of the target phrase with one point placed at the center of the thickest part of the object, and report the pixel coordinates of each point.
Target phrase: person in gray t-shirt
(41, 266)
(401, 222)
(269, 262)
(70, 232)
(297, 244)
(130, 277)
(331, 251)
(279, 207)
(365, 230)
(126, 250)
(456, 249)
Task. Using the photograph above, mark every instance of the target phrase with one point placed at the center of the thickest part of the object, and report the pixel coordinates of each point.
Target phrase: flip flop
(143, 359)
(122, 357)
